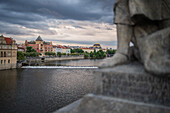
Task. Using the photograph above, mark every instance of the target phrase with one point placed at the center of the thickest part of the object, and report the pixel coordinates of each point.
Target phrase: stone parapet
(131, 82)
(102, 104)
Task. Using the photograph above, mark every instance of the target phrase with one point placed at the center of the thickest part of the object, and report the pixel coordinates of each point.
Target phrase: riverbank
(39, 60)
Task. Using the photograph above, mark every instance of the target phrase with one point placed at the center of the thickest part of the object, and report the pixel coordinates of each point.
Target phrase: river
(45, 90)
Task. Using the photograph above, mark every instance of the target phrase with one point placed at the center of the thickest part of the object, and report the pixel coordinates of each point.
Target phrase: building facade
(88, 50)
(63, 49)
(21, 48)
(8, 53)
(40, 46)
(68, 51)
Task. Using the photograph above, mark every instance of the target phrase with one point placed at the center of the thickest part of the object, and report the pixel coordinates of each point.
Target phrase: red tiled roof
(59, 46)
(21, 48)
(9, 41)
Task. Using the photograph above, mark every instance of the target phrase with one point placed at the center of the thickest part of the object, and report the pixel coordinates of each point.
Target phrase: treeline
(95, 55)
(30, 52)
(99, 54)
(110, 51)
(74, 52)
(77, 51)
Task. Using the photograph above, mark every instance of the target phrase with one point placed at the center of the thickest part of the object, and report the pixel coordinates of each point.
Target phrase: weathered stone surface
(69, 107)
(134, 11)
(145, 23)
(155, 51)
(102, 104)
(133, 83)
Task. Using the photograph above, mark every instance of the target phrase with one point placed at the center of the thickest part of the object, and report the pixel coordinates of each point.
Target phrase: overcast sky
(65, 22)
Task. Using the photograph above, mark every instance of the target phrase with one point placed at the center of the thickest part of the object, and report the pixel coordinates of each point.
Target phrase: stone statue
(145, 23)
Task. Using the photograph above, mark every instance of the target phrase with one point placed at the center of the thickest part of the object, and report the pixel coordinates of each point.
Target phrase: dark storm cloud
(19, 11)
(36, 17)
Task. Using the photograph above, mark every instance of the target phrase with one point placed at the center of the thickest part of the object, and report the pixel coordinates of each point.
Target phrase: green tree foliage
(20, 56)
(91, 54)
(63, 53)
(31, 54)
(29, 49)
(97, 55)
(50, 53)
(77, 51)
(111, 51)
(86, 56)
(59, 54)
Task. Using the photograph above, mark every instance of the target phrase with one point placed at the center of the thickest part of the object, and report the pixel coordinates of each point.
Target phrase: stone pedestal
(125, 89)
(131, 82)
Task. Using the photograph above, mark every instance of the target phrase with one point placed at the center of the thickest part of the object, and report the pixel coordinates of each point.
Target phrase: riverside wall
(37, 61)
(8, 66)
(64, 58)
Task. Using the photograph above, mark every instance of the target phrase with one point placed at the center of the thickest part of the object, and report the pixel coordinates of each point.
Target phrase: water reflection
(44, 90)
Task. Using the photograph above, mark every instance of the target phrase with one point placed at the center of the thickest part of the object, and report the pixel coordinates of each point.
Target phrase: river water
(45, 90)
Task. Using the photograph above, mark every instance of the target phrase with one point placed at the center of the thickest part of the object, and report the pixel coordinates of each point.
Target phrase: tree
(86, 55)
(98, 55)
(50, 53)
(91, 54)
(77, 50)
(73, 51)
(111, 51)
(29, 49)
(59, 54)
(20, 56)
(33, 50)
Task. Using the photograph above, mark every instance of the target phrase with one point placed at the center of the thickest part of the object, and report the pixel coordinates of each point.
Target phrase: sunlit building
(8, 53)
(40, 46)
(88, 50)
(63, 49)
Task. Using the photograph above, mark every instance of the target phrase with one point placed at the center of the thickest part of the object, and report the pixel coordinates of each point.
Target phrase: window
(8, 61)
(4, 54)
(9, 54)
(4, 61)
(1, 54)
(1, 41)
(1, 61)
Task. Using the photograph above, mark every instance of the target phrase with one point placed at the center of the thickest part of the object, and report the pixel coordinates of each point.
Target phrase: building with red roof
(21, 48)
(63, 49)
(8, 53)
(40, 46)
(88, 50)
